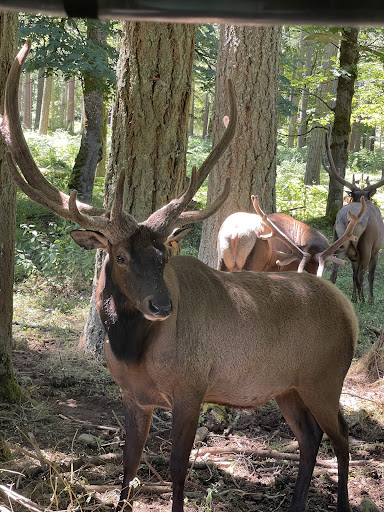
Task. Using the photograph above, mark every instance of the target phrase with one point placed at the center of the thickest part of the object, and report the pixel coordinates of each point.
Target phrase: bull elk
(363, 252)
(259, 242)
(181, 333)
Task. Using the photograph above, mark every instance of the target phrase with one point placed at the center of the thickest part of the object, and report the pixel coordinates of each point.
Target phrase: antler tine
(332, 169)
(328, 254)
(298, 254)
(10, 128)
(377, 185)
(199, 215)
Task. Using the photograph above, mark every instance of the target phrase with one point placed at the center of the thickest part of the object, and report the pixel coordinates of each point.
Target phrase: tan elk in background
(181, 333)
(276, 242)
(363, 252)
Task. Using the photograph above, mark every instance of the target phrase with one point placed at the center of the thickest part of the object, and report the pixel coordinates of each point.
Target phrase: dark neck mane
(127, 328)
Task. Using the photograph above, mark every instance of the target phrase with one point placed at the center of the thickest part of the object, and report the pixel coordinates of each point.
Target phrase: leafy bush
(56, 151)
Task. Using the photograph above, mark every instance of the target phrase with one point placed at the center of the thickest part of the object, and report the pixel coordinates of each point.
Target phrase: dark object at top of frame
(249, 12)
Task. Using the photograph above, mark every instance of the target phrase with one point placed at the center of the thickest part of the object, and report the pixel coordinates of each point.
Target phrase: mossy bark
(9, 389)
(341, 128)
(91, 146)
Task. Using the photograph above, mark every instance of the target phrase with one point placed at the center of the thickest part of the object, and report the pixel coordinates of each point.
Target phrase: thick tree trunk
(250, 57)
(47, 94)
(316, 142)
(341, 129)
(9, 389)
(150, 125)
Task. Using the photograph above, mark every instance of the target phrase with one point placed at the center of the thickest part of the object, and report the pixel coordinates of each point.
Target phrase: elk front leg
(137, 423)
(184, 424)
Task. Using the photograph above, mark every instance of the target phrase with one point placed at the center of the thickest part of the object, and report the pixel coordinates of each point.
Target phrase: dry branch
(18, 498)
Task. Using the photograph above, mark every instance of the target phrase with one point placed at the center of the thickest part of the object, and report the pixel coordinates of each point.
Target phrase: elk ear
(89, 239)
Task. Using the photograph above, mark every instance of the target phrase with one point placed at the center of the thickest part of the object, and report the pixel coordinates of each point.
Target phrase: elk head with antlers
(369, 231)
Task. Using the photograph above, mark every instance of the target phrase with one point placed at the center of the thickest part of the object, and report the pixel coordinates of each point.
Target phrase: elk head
(134, 249)
(355, 192)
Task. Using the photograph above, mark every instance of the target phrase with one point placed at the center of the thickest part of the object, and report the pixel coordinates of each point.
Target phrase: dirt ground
(66, 438)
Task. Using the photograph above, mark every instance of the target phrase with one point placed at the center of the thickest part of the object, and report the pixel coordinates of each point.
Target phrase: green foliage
(61, 44)
(366, 161)
(57, 150)
(204, 67)
(43, 243)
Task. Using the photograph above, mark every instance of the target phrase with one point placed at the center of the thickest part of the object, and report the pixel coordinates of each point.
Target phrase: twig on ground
(83, 422)
(12, 495)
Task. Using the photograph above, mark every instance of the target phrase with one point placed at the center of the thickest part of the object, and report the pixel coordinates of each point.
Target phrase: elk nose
(160, 310)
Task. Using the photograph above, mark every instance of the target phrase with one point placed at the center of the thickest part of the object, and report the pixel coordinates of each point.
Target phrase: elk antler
(328, 254)
(172, 215)
(297, 253)
(34, 185)
(331, 170)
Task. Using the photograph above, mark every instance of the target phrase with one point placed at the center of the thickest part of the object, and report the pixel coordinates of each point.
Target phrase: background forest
(70, 102)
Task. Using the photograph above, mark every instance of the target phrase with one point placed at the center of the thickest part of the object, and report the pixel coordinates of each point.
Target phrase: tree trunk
(71, 105)
(341, 128)
(303, 117)
(192, 114)
(91, 146)
(150, 125)
(9, 389)
(206, 115)
(316, 143)
(355, 137)
(27, 116)
(250, 57)
(295, 99)
(39, 99)
(47, 94)
(102, 164)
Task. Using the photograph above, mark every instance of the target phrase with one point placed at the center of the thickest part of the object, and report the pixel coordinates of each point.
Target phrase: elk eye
(120, 259)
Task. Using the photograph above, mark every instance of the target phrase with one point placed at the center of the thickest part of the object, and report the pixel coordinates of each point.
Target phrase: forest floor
(66, 437)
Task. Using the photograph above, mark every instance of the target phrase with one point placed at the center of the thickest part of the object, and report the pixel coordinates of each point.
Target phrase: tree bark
(303, 116)
(71, 105)
(341, 129)
(47, 94)
(250, 57)
(317, 136)
(206, 115)
(39, 99)
(150, 125)
(9, 389)
(91, 145)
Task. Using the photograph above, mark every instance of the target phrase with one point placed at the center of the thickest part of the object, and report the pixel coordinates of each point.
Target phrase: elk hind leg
(327, 413)
(371, 276)
(308, 434)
